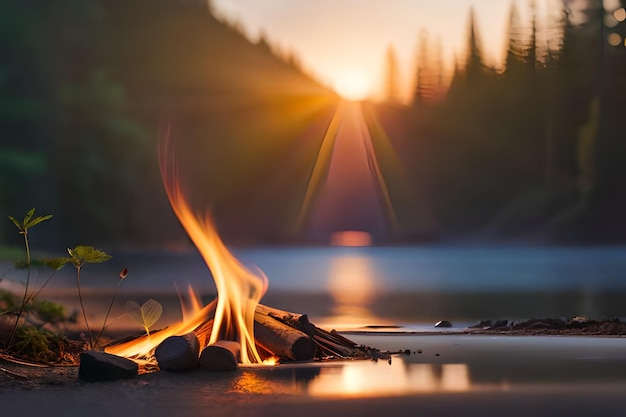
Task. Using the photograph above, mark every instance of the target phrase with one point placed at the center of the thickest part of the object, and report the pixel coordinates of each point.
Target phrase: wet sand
(442, 375)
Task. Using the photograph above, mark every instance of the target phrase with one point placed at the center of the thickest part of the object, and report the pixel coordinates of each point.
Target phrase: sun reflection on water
(352, 286)
(355, 379)
(398, 378)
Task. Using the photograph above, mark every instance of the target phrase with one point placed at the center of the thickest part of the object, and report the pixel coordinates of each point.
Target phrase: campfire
(234, 328)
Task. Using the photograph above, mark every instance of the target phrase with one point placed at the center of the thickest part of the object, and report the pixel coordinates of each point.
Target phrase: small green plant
(28, 337)
(146, 314)
(23, 226)
(79, 256)
(42, 345)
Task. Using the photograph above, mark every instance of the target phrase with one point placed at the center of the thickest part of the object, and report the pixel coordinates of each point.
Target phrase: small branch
(36, 294)
(13, 374)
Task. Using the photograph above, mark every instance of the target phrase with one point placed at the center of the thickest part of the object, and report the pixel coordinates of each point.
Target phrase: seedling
(146, 314)
(79, 256)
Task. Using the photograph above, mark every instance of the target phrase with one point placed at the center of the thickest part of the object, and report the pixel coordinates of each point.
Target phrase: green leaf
(87, 254)
(146, 314)
(16, 223)
(37, 220)
(28, 216)
(29, 221)
(56, 263)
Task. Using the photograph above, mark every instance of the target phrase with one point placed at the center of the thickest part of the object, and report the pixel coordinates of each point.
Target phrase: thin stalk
(82, 306)
(36, 294)
(21, 311)
(106, 317)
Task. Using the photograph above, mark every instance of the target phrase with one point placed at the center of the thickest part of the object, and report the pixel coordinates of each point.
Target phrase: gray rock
(101, 366)
(500, 323)
(483, 324)
(178, 353)
(443, 323)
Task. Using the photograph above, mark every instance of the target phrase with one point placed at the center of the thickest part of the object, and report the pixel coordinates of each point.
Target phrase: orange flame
(239, 290)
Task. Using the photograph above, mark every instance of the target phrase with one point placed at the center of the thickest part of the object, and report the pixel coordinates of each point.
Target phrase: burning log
(280, 333)
(281, 339)
(220, 356)
(178, 353)
(295, 320)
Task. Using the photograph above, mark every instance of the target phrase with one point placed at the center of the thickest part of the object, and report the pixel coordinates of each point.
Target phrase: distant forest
(532, 152)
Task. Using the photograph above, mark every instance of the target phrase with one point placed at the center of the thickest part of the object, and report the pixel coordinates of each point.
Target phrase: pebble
(101, 366)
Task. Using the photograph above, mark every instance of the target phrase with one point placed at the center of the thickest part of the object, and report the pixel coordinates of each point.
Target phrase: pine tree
(391, 75)
(474, 68)
(515, 55)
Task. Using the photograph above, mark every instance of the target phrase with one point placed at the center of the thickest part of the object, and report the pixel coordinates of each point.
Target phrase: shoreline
(477, 375)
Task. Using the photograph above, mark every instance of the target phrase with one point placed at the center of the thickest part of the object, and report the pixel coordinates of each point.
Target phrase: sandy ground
(443, 375)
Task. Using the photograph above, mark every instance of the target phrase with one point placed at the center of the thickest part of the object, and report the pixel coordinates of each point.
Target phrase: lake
(388, 285)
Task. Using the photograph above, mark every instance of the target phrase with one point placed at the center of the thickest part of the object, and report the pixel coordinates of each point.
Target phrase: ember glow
(239, 290)
(142, 347)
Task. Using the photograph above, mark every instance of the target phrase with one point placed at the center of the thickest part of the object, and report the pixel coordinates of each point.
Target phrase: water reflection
(283, 378)
(356, 379)
(398, 378)
(352, 287)
(466, 364)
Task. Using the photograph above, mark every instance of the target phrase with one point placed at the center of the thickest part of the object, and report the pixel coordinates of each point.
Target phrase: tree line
(85, 89)
(531, 150)
(528, 151)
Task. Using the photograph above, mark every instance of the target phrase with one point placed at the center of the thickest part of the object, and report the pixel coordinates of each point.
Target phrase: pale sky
(335, 37)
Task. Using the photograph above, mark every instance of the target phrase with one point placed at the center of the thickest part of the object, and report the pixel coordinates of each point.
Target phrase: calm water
(445, 269)
(401, 284)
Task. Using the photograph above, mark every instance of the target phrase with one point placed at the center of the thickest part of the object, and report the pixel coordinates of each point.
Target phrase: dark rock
(443, 324)
(101, 366)
(500, 323)
(178, 353)
(481, 324)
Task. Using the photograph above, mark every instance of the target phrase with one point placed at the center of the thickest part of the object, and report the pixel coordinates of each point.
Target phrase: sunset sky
(346, 40)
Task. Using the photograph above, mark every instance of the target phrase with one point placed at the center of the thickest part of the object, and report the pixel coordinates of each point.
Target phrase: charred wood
(281, 339)
(220, 356)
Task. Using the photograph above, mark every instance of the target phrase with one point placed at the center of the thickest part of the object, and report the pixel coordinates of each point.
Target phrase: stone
(500, 323)
(100, 366)
(483, 324)
(178, 353)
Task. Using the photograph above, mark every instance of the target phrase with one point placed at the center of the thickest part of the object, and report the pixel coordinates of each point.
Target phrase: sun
(352, 85)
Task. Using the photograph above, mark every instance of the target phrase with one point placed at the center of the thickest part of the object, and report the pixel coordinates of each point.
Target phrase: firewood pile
(281, 335)
(321, 344)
